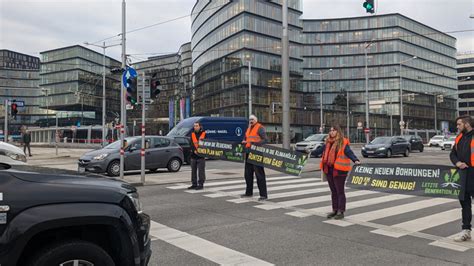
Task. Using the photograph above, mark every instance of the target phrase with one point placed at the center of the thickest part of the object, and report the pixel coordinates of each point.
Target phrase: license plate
(81, 170)
(370, 151)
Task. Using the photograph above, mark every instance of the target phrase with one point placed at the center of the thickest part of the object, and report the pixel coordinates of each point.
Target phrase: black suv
(416, 143)
(52, 219)
(386, 147)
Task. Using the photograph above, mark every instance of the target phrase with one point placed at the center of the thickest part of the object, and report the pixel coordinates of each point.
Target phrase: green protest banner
(221, 150)
(415, 179)
(278, 159)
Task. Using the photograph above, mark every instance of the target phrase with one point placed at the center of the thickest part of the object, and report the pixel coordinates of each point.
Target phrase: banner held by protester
(221, 150)
(415, 179)
(278, 159)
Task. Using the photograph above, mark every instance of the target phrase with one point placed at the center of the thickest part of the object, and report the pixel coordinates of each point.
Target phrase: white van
(11, 154)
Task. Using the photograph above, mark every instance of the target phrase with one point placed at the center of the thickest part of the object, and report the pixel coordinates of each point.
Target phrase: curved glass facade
(340, 44)
(227, 36)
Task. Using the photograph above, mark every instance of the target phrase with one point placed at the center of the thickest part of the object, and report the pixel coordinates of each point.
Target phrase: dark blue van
(217, 128)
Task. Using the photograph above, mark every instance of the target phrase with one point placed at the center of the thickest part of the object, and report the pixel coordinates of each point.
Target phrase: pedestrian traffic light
(14, 109)
(155, 86)
(132, 90)
(369, 6)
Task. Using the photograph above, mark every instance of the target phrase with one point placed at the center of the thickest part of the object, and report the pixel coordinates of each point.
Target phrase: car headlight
(363, 148)
(381, 149)
(136, 201)
(14, 156)
(101, 157)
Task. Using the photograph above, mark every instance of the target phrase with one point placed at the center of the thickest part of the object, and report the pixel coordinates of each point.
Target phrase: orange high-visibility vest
(251, 136)
(342, 163)
(458, 138)
(195, 139)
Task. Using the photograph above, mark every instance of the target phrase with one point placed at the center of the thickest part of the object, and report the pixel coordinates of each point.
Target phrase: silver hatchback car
(160, 152)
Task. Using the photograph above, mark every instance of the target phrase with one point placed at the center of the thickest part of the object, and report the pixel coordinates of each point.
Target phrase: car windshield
(317, 137)
(383, 140)
(116, 145)
(407, 137)
(183, 128)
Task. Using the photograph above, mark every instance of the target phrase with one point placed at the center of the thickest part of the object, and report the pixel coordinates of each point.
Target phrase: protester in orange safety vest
(462, 156)
(336, 164)
(255, 135)
(198, 162)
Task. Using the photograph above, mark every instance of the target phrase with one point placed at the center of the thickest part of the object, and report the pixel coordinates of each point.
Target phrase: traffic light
(155, 86)
(14, 109)
(369, 6)
(132, 90)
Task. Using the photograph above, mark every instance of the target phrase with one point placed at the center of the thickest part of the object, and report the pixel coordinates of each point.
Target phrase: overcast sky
(32, 26)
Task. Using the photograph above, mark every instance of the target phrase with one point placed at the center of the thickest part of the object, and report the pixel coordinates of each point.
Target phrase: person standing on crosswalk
(198, 162)
(463, 158)
(256, 135)
(336, 164)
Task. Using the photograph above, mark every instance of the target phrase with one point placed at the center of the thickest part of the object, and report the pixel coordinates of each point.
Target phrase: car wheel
(114, 168)
(421, 149)
(429, 145)
(174, 165)
(365, 156)
(407, 153)
(389, 153)
(74, 252)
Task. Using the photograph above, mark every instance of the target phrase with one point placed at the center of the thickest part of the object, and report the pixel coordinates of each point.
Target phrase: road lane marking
(201, 247)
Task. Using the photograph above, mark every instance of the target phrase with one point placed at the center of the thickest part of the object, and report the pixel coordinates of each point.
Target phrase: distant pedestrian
(198, 162)
(461, 156)
(26, 139)
(256, 135)
(335, 165)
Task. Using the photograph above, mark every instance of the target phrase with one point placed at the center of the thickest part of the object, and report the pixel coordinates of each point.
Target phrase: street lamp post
(104, 115)
(321, 115)
(402, 122)
(367, 134)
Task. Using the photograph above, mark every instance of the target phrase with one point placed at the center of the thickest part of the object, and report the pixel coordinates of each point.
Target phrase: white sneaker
(463, 236)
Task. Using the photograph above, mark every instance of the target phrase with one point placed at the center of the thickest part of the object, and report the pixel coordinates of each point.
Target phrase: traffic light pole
(142, 152)
(122, 97)
(5, 129)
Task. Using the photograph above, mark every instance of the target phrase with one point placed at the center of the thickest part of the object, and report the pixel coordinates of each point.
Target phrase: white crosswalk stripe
(302, 200)
(392, 211)
(220, 183)
(421, 223)
(299, 180)
(305, 201)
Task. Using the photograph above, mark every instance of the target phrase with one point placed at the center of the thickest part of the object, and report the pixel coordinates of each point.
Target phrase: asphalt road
(217, 227)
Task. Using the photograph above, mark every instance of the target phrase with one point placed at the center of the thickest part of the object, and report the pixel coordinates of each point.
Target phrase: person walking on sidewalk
(462, 157)
(26, 139)
(335, 165)
(256, 135)
(198, 162)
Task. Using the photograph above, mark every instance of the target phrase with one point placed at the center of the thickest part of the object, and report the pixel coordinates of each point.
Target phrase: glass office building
(19, 80)
(174, 72)
(391, 42)
(227, 36)
(466, 83)
(71, 83)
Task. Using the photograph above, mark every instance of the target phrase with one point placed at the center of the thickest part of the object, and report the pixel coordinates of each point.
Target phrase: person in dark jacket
(26, 139)
(335, 164)
(256, 135)
(463, 159)
(198, 162)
